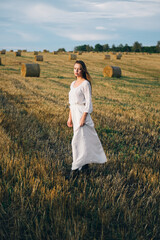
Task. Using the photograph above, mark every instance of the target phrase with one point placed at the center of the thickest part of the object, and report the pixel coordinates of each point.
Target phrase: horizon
(75, 47)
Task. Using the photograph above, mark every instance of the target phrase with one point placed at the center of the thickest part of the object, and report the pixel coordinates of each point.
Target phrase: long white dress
(86, 146)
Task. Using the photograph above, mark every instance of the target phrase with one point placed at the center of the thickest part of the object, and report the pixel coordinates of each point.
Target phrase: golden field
(118, 200)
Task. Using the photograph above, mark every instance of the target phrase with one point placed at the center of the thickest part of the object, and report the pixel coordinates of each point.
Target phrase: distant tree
(105, 47)
(61, 50)
(84, 48)
(137, 47)
(98, 48)
(149, 49)
(113, 48)
(89, 48)
(127, 48)
(120, 48)
(158, 47)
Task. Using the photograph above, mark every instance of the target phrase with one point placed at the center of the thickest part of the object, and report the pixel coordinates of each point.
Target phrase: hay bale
(35, 53)
(72, 56)
(17, 54)
(107, 56)
(118, 56)
(30, 70)
(38, 58)
(3, 51)
(112, 71)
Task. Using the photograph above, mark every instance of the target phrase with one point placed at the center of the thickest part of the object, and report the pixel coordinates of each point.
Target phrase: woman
(86, 146)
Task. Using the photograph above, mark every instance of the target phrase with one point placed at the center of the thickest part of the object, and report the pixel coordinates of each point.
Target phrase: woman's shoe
(86, 169)
(74, 174)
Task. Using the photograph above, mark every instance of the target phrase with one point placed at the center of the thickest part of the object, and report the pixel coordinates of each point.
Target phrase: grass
(118, 200)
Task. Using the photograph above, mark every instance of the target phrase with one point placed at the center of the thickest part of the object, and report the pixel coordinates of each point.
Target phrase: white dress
(86, 146)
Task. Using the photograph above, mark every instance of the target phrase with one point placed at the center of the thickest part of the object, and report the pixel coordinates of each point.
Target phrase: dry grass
(118, 200)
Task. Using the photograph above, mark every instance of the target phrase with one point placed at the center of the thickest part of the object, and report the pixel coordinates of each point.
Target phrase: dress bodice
(81, 95)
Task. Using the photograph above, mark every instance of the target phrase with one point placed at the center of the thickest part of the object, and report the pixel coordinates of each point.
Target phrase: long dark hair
(85, 72)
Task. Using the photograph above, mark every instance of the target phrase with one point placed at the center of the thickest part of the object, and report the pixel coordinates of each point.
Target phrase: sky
(54, 24)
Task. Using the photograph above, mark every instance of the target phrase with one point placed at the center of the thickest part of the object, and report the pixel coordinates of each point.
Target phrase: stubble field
(118, 200)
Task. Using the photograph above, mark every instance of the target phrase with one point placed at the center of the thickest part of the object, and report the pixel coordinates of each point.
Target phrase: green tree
(158, 47)
(89, 48)
(84, 48)
(105, 47)
(137, 47)
(61, 50)
(98, 48)
(113, 48)
(127, 48)
(120, 48)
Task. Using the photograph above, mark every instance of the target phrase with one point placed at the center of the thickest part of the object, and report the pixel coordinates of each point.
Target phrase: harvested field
(118, 200)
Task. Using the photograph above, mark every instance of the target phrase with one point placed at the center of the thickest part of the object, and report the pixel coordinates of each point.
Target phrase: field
(119, 200)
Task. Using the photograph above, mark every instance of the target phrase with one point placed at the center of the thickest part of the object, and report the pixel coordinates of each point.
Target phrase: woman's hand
(82, 122)
(83, 119)
(69, 123)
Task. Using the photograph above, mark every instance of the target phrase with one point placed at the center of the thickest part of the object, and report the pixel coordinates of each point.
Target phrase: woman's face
(77, 70)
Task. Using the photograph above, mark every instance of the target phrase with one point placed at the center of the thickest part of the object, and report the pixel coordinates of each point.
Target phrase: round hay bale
(30, 70)
(35, 53)
(107, 56)
(3, 51)
(72, 56)
(38, 58)
(118, 56)
(17, 54)
(112, 71)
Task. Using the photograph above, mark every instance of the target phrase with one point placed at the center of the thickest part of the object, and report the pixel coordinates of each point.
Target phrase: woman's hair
(85, 72)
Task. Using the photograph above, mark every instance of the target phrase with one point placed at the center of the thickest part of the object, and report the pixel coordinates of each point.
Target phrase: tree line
(137, 47)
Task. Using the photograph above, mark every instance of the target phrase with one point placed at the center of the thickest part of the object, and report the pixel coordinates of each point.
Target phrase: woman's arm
(83, 119)
(88, 105)
(69, 122)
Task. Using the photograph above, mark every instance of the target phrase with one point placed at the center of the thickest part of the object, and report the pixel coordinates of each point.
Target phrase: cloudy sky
(53, 24)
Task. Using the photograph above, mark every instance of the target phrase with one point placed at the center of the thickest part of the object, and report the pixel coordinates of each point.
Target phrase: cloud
(25, 36)
(33, 12)
(125, 9)
(85, 36)
(45, 13)
(100, 28)
(78, 20)
(28, 37)
(79, 25)
(122, 9)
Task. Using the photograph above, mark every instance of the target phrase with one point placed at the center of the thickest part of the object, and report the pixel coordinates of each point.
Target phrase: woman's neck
(80, 79)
